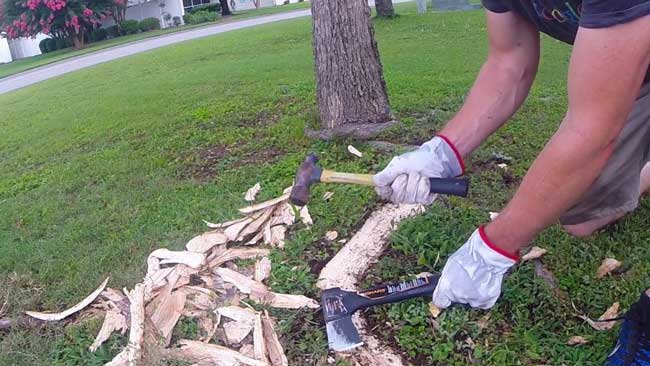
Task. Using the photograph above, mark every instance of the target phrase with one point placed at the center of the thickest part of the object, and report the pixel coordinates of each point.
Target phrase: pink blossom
(88, 12)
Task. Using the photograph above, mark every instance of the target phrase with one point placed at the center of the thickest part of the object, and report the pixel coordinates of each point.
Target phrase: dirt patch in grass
(208, 162)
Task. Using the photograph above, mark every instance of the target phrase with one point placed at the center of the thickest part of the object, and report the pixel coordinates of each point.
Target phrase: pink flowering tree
(64, 19)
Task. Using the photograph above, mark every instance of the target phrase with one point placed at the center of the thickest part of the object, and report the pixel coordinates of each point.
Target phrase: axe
(339, 305)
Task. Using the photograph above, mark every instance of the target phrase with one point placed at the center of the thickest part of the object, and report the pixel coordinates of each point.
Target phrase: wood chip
(577, 341)
(243, 283)
(608, 265)
(493, 215)
(259, 345)
(534, 253)
(247, 350)
(283, 301)
(210, 354)
(305, 217)
(223, 224)
(166, 315)
(238, 314)
(283, 215)
(232, 231)
(503, 166)
(434, 310)
(206, 241)
(114, 321)
(49, 317)
(600, 325)
(132, 354)
(273, 346)
(256, 225)
(252, 192)
(238, 253)
(157, 279)
(236, 331)
(192, 259)
(327, 195)
(331, 235)
(353, 150)
(262, 269)
(277, 236)
(263, 205)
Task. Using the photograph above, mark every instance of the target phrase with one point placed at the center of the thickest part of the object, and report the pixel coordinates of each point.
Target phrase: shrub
(215, 8)
(42, 45)
(130, 27)
(200, 17)
(113, 31)
(177, 21)
(98, 34)
(148, 24)
(59, 44)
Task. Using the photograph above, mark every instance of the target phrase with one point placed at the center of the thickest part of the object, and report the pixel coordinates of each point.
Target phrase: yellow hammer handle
(329, 176)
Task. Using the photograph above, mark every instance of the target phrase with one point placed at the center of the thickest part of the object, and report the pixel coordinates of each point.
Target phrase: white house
(19, 48)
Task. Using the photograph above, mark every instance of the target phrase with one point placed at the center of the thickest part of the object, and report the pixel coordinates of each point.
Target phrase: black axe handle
(449, 186)
(395, 292)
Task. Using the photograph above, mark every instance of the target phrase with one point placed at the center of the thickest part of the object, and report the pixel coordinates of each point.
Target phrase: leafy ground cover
(40, 60)
(136, 152)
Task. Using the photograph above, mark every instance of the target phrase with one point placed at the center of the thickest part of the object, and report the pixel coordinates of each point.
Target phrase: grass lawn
(40, 60)
(97, 169)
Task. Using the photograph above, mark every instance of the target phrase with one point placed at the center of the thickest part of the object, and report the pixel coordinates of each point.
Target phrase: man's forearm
(498, 92)
(564, 170)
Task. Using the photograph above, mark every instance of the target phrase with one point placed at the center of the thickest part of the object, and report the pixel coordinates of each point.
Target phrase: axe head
(338, 307)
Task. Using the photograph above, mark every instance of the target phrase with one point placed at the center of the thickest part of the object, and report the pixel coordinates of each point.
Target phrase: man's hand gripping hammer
(309, 173)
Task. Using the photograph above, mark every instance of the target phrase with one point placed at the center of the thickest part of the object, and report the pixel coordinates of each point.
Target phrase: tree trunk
(350, 87)
(225, 10)
(384, 8)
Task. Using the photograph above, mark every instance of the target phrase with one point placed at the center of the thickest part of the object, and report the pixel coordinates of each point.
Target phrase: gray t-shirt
(560, 19)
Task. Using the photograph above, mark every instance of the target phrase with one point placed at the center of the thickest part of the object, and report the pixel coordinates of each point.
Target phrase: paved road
(45, 72)
(76, 63)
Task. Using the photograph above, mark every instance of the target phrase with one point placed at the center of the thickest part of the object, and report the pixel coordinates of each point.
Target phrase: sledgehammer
(309, 173)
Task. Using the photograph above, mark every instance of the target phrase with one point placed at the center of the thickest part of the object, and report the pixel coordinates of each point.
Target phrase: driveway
(55, 69)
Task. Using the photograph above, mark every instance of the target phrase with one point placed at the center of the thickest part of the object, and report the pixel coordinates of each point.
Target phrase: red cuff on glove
(453, 147)
(491, 245)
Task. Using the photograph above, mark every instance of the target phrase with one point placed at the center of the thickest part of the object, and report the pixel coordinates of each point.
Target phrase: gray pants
(617, 188)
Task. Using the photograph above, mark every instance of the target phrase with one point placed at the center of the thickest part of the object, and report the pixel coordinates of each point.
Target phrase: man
(590, 173)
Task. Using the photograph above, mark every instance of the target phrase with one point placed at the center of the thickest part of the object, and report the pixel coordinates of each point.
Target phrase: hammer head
(308, 173)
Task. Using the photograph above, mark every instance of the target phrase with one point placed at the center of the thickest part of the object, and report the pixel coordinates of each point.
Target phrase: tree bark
(384, 8)
(225, 10)
(350, 87)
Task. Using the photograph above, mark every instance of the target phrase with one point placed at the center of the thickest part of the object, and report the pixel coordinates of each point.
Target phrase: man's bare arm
(502, 84)
(606, 71)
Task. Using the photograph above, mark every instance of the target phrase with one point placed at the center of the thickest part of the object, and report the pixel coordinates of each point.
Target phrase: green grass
(25, 64)
(97, 169)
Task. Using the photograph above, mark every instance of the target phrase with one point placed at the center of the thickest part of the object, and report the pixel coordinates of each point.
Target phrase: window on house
(189, 4)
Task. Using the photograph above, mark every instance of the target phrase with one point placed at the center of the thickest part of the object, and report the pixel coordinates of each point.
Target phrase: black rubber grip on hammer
(452, 186)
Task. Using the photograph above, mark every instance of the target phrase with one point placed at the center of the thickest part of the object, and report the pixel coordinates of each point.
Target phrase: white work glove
(406, 178)
(473, 274)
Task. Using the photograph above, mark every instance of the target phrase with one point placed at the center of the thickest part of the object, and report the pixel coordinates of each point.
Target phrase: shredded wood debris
(503, 166)
(331, 235)
(493, 215)
(534, 253)
(327, 195)
(252, 192)
(434, 310)
(204, 282)
(577, 341)
(608, 265)
(353, 150)
(262, 269)
(273, 346)
(66, 313)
